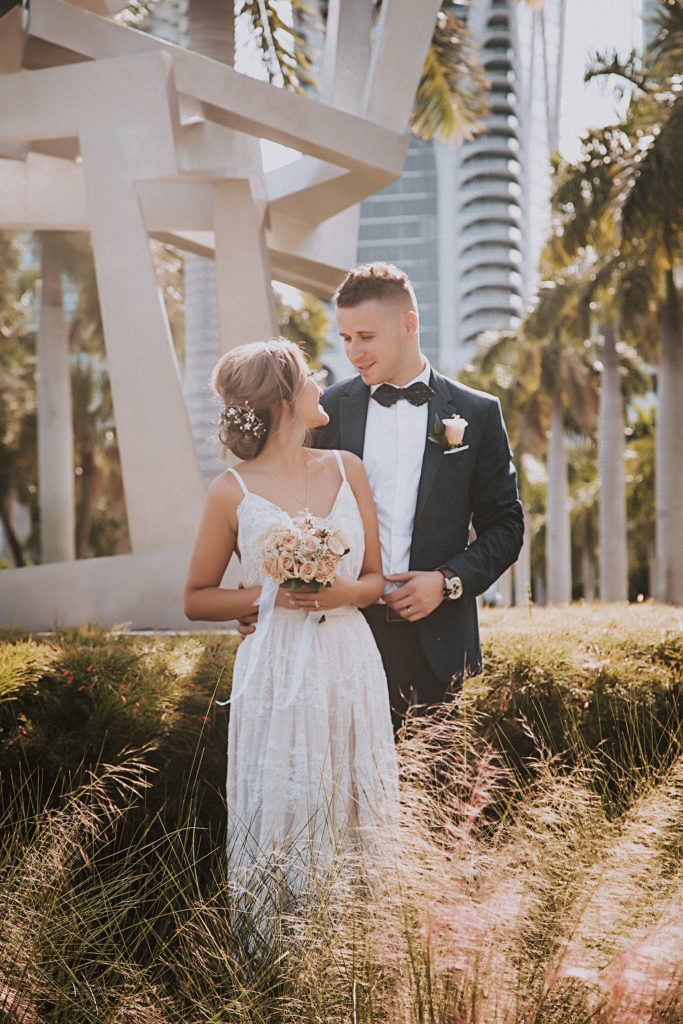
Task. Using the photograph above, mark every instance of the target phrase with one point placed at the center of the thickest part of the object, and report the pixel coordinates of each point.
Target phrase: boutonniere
(448, 434)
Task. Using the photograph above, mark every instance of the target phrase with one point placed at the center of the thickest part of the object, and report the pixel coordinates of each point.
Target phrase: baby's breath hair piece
(244, 419)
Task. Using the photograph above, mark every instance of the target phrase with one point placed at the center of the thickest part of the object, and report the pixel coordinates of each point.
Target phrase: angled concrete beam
(143, 590)
(155, 440)
(346, 56)
(306, 253)
(403, 35)
(316, 191)
(232, 99)
(106, 8)
(60, 102)
(12, 38)
(246, 310)
(42, 192)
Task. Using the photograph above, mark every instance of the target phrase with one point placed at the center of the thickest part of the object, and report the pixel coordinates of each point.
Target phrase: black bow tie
(416, 394)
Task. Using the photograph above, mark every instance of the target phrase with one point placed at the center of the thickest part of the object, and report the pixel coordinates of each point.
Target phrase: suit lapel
(353, 413)
(443, 406)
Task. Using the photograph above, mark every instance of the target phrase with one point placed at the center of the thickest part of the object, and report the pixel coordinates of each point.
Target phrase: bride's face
(308, 405)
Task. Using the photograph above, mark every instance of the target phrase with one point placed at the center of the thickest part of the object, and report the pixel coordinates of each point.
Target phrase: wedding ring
(317, 603)
(408, 607)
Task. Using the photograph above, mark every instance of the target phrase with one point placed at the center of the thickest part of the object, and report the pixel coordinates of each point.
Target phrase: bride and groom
(317, 683)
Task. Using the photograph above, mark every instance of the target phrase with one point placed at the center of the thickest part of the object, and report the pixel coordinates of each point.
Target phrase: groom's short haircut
(380, 281)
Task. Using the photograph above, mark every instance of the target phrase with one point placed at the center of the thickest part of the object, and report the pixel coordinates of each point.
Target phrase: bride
(311, 760)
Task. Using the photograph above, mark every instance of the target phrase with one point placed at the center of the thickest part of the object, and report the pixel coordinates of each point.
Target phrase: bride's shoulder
(353, 468)
(329, 457)
(226, 488)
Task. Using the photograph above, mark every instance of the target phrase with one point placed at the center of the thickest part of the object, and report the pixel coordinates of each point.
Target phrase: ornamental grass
(536, 875)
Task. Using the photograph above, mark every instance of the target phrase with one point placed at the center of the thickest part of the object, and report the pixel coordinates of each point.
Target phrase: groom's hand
(419, 594)
(246, 625)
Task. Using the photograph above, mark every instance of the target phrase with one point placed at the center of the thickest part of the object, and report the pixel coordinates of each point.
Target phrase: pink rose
(327, 567)
(270, 567)
(336, 543)
(288, 540)
(455, 429)
(310, 543)
(307, 572)
(287, 565)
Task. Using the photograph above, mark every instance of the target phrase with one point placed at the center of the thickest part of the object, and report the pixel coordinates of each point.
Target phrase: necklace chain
(284, 484)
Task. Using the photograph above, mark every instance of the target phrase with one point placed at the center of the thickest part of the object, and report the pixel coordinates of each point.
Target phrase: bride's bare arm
(370, 584)
(204, 597)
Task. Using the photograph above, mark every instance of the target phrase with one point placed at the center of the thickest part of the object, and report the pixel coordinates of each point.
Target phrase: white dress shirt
(392, 454)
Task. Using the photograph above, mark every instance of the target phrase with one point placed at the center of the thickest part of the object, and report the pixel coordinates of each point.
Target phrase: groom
(428, 492)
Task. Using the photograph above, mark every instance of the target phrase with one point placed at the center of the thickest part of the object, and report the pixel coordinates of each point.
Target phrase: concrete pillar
(246, 307)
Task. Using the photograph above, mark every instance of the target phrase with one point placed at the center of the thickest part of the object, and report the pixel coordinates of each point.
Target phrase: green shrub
(507, 902)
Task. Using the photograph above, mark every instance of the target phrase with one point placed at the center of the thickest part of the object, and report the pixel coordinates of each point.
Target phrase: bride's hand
(343, 591)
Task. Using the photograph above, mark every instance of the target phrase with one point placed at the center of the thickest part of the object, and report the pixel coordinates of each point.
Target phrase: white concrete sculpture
(108, 130)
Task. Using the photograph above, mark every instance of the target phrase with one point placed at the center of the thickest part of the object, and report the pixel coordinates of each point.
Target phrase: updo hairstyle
(251, 380)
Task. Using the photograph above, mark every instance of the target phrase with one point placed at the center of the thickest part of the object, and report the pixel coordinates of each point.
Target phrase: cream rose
(287, 565)
(271, 568)
(455, 429)
(307, 572)
(310, 543)
(327, 567)
(288, 540)
(336, 543)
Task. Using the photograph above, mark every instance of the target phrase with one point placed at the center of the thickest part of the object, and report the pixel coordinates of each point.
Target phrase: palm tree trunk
(504, 589)
(611, 452)
(558, 551)
(55, 426)
(669, 452)
(522, 569)
(89, 487)
(588, 559)
(13, 542)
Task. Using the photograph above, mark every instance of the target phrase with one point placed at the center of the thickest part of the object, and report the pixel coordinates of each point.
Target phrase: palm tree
(18, 469)
(583, 248)
(507, 365)
(647, 199)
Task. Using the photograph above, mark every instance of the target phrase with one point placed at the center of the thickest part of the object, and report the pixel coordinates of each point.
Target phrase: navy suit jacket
(474, 486)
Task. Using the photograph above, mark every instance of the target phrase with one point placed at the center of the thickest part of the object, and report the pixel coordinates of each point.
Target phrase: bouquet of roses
(307, 553)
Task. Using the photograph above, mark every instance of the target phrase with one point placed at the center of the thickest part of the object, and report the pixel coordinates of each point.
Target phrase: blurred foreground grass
(536, 877)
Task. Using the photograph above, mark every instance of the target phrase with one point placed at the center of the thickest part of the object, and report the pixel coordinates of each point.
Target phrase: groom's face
(381, 341)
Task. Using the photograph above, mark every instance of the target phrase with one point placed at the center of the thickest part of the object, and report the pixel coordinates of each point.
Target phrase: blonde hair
(250, 380)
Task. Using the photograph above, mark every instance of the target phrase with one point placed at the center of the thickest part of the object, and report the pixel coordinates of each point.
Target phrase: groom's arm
(497, 515)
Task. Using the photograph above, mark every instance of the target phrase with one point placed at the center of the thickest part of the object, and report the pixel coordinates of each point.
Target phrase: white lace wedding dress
(314, 771)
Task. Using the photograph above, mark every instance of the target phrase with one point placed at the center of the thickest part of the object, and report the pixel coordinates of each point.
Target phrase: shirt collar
(423, 376)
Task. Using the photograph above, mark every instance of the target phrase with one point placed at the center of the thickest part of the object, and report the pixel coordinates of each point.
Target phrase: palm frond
(650, 183)
(451, 96)
(668, 43)
(285, 47)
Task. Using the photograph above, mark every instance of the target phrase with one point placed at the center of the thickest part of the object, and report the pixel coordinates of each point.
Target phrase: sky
(593, 25)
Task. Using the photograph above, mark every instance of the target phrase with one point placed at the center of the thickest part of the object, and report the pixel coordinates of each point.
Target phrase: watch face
(453, 588)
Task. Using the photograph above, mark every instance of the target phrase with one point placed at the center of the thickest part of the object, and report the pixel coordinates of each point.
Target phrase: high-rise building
(467, 222)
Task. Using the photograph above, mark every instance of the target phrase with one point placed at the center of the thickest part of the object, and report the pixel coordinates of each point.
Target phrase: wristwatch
(452, 585)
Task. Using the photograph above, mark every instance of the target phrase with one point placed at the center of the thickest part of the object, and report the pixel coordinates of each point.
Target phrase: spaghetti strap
(239, 479)
(340, 463)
